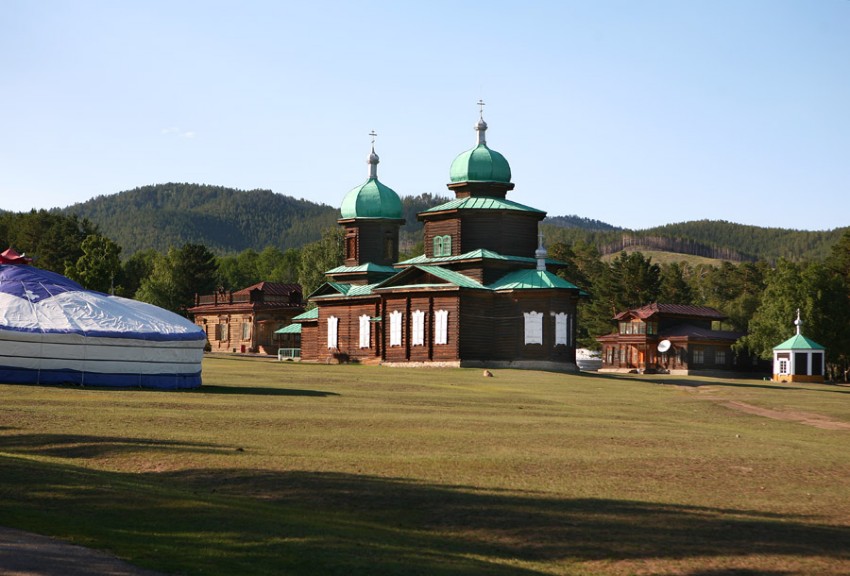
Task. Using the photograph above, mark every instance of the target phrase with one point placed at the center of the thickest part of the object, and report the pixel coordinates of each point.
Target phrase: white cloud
(178, 132)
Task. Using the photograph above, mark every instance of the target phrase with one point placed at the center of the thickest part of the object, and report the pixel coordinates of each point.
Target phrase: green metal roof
(341, 289)
(479, 254)
(367, 267)
(799, 342)
(480, 164)
(451, 277)
(482, 203)
(360, 290)
(531, 280)
(371, 199)
(311, 314)
(293, 328)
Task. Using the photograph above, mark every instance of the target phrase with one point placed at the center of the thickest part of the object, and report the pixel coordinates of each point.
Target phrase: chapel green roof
(372, 199)
(799, 342)
(480, 164)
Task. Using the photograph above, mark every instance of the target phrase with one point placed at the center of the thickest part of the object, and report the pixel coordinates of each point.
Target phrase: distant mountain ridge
(229, 221)
(226, 220)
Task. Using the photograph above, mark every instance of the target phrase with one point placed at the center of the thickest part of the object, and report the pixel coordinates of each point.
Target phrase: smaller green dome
(481, 164)
(371, 200)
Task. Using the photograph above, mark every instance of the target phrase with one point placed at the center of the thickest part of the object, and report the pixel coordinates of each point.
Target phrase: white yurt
(54, 331)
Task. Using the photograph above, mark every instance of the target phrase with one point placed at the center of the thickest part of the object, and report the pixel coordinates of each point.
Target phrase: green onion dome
(480, 164)
(372, 199)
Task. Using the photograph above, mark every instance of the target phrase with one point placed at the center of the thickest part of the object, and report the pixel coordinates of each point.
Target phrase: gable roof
(682, 310)
(271, 288)
(449, 277)
(335, 289)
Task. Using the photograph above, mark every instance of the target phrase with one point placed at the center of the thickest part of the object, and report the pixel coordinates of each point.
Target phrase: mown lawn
(285, 468)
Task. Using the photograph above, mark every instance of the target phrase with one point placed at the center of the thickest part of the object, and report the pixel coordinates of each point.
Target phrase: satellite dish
(664, 346)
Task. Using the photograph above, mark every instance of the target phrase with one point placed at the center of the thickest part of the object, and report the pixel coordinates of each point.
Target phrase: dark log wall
(348, 331)
(369, 242)
(309, 341)
(427, 303)
(494, 328)
(450, 227)
(509, 233)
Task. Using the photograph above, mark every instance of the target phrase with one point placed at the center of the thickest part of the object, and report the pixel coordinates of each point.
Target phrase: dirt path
(27, 554)
(807, 418)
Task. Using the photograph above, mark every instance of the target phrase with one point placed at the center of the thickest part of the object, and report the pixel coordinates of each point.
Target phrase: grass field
(286, 468)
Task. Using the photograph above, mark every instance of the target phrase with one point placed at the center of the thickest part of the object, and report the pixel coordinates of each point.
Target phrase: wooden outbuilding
(246, 320)
(799, 359)
(672, 338)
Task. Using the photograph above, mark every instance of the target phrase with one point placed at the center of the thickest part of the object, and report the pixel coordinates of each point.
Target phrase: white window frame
(441, 327)
(365, 331)
(333, 332)
(561, 329)
(417, 336)
(246, 330)
(533, 327)
(395, 328)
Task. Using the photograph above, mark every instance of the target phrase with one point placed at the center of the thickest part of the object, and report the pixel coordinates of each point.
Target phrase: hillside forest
(140, 244)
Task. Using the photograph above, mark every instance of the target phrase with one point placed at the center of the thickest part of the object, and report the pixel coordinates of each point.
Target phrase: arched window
(333, 325)
(560, 328)
(417, 338)
(395, 328)
(365, 331)
(438, 246)
(533, 327)
(441, 327)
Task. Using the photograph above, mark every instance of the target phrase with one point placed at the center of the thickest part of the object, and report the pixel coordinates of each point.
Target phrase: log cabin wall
(508, 233)
(504, 339)
(348, 331)
(309, 341)
(444, 226)
(371, 241)
(428, 303)
(481, 337)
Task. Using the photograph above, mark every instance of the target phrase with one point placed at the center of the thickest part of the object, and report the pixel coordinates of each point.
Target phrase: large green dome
(371, 200)
(481, 164)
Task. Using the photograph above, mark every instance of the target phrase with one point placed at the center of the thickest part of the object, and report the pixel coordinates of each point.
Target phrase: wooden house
(483, 293)
(246, 320)
(672, 338)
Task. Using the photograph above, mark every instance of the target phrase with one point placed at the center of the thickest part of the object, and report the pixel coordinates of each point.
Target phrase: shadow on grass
(263, 522)
(256, 390)
(83, 446)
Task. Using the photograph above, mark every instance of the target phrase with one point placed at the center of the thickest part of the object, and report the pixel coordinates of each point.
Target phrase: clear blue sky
(637, 113)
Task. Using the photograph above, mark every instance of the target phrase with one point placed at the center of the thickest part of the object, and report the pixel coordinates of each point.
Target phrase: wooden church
(483, 294)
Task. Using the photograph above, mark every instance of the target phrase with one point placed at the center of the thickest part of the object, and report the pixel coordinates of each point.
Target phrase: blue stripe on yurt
(10, 375)
(149, 336)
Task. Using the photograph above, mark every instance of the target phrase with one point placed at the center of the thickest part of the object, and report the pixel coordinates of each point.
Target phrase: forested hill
(229, 221)
(710, 238)
(224, 219)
